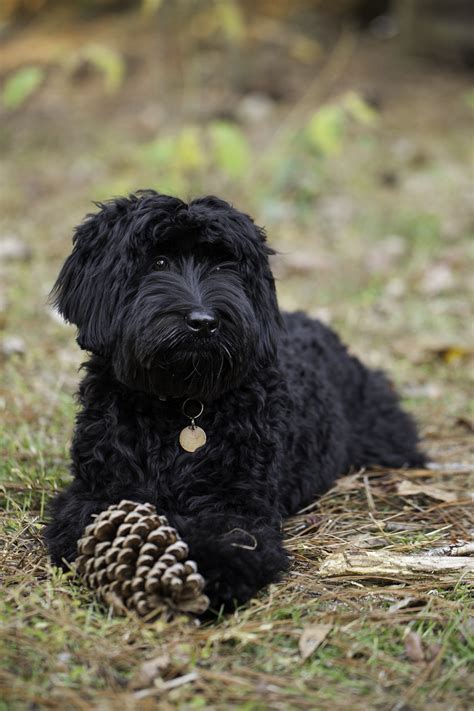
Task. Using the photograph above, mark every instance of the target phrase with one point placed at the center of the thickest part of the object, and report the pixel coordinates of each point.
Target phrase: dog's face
(179, 298)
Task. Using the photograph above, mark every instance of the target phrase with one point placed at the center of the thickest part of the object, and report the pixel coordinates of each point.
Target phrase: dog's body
(286, 409)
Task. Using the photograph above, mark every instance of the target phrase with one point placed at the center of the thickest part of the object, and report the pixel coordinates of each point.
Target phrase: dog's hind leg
(382, 432)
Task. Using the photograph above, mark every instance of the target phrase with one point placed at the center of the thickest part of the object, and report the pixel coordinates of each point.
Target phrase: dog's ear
(87, 289)
(261, 287)
(261, 283)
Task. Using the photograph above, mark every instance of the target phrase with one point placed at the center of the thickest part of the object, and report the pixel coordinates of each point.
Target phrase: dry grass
(60, 648)
(384, 643)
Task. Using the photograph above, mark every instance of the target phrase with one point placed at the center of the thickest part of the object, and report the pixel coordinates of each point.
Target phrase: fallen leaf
(13, 249)
(432, 651)
(414, 647)
(152, 669)
(301, 264)
(452, 354)
(449, 467)
(388, 252)
(311, 637)
(406, 602)
(115, 603)
(255, 108)
(467, 629)
(466, 423)
(362, 540)
(407, 488)
(349, 483)
(437, 279)
(20, 85)
(395, 288)
(12, 345)
(432, 391)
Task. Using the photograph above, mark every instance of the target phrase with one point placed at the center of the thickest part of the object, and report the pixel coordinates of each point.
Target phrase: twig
(368, 492)
(379, 564)
(329, 74)
(167, 685)
(456, 549)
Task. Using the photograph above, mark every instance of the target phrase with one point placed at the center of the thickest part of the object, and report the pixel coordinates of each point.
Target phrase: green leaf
(151, 6)
(359, 109)
(230, 148)
(21, 85)
(325, 129)
(229, 16)
(469, 99)
(160, 151)
(189, 154)
(109, 62)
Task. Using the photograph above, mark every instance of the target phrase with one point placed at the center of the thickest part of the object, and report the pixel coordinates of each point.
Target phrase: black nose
(202, 322)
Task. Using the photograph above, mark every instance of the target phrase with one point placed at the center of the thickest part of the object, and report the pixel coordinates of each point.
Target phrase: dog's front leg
(72, 510)
(236, 554)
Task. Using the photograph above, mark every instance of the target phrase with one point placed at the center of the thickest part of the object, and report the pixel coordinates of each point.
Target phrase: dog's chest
(171, 464)
(233, 444)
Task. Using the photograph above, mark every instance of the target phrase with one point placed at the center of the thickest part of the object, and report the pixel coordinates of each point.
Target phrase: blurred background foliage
(343, 126)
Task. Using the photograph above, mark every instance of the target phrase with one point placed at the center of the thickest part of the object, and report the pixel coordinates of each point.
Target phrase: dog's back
(332, 389)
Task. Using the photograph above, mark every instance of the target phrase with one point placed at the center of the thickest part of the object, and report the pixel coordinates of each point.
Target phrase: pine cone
(135, 560)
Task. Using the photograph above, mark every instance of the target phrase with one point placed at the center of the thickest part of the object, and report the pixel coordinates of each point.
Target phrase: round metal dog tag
(192, 438)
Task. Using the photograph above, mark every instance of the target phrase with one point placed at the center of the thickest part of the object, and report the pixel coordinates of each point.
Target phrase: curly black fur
(286, 408)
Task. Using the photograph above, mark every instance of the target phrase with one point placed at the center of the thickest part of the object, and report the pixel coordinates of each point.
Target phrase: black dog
(176, 302)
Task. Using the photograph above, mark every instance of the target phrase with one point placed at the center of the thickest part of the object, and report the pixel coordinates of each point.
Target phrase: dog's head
(178, 297)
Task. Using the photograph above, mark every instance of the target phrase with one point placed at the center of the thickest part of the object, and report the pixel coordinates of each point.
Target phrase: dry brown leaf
(467, 629)
(152, 669)
(453, 354)
(311, 637)
(438, 278)
(432, 651)
(406, 602)
(466, 423)
(414, 647)
(362, 540)
(13, 249)
(117, 605)
(301, 264)
(407, 488)
(349, 483)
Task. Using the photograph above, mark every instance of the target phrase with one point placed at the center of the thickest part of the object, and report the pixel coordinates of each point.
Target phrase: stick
(457, 549)
(375, 564)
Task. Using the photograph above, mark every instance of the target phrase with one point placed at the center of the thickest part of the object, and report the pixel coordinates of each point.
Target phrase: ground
(357, 160)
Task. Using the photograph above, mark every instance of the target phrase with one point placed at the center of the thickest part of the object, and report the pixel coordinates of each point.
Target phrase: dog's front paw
(238, 563)
(231, 582)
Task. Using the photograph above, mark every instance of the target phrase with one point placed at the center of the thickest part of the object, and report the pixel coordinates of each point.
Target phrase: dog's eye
(160, 264)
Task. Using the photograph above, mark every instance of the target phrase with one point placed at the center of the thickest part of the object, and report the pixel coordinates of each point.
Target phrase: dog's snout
(202, 322)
